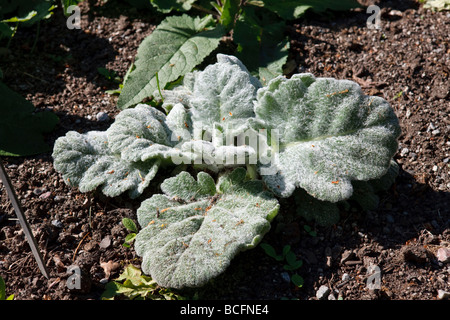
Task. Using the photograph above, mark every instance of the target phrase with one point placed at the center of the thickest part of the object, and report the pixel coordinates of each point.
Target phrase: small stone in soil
(105, 243)
(404, 152)
(57, 223)
(58, 198)
(443, 255)
(345, 277)
(38, 191)
(443, 295)
(102, 116)
(45, 195)
(323, 292)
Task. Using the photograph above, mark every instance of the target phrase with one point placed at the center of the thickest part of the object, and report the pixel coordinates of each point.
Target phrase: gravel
(322, 292)
(102, 116)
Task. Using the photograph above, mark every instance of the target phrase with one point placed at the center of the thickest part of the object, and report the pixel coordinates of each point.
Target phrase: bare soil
(407, 62)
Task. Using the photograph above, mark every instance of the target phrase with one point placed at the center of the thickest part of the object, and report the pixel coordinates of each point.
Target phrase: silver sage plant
(319, 140)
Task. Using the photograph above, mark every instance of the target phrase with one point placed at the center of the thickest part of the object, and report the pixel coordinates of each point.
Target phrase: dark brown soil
(407, 62)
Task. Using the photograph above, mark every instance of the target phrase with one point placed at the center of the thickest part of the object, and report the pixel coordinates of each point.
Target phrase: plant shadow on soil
(73, 52)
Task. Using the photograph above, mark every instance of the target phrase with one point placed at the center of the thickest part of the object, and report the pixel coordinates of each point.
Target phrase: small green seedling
(130, 226)
(291, 261)
(289, 256)
(310, 231)
(271, 252)
(3, 291)
(398, 95)
(297, 280)
(109, 75)
(119, 89)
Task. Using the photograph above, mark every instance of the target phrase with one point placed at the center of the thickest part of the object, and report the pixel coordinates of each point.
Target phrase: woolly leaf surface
(330, 133)
(187, 243)
(365, 193)
(223, 94)
(86, 161)
(325, 213)
(186, 187)
(143, 133)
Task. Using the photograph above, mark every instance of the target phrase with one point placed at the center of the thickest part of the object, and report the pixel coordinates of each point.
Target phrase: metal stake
(22, 219)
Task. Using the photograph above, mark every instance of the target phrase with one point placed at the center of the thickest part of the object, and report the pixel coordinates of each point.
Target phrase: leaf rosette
(220, 102)
(321, 138)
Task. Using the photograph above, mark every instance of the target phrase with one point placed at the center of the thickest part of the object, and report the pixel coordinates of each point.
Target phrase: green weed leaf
(173, 49)
(262, 46)
(271, 252)
(28, 12)
(166, 6)
(297, 280)
(2, 289)
(229, 11)
(292, 262)
(136, 286)
(129, 225)
(67, 3)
